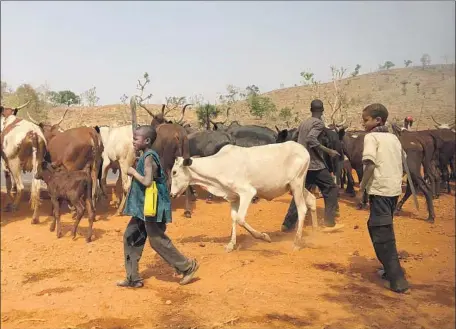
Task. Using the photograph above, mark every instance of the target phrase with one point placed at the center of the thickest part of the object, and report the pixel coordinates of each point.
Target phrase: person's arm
(148, 177)
(312, 139)
(369, 160)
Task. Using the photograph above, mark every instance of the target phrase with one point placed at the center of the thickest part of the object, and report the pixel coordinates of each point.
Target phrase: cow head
(7, 111)
(180, 176)
(220, 125)
(49, 130)
(285, 134)
(158, 119)
(439, 125)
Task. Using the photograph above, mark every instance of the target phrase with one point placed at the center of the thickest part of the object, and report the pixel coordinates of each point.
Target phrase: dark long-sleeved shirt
(308, 133)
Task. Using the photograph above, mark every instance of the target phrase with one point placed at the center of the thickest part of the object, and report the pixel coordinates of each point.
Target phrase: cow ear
(187, 162)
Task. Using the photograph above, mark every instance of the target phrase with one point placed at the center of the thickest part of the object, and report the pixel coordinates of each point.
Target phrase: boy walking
(148, 169)
(382, 179)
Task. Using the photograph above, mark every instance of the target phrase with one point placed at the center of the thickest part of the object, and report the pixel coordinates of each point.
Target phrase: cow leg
(193, 193)
(104, 175)
(91, 216)
(209, 198)
(188, 204)
(79, 214)
(419, 182)
(8, 183)
(15, 169)
(297, 190)
(244, 203)
(56, 205)
(234, 210)
(350, 190)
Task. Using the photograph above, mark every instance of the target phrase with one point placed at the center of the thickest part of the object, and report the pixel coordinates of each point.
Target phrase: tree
(308, 77)
(204, 112)
(388, 65)
(425, 60)
(90, 97)
(407, 62)
(123, 99)
(64, 97)
(356, 71)
(285, 113)
(260, 106)
(252, 90)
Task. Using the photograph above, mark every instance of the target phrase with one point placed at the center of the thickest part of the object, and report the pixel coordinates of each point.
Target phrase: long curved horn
(31, 119)
(227, 114)
(163, 110)
(435, 121)
(183, 113)
(63, 116)
(22, 106)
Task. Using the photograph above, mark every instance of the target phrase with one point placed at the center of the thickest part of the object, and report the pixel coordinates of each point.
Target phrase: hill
(434, 95)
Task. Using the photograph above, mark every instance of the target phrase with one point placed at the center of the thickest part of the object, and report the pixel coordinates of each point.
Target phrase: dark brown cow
(74, 187)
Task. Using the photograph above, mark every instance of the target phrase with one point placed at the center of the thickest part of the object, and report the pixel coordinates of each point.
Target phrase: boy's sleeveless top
(134, 205)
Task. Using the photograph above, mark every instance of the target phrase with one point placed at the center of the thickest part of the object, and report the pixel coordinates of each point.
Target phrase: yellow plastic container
(150, 200)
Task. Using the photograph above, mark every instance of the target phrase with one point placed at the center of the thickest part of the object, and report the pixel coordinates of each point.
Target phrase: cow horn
(63, 116)
(183, 113)
(435, 121)
(31, 119)
(278, 130)
(342, 123)
(23, 105)
(163, 110)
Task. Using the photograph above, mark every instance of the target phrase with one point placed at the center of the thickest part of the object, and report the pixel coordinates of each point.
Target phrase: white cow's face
(180, 177)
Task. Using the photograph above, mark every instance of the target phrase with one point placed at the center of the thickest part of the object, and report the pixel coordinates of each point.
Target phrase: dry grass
(436, 96)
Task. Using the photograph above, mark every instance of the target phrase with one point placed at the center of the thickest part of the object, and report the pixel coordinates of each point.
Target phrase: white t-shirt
(385, 151)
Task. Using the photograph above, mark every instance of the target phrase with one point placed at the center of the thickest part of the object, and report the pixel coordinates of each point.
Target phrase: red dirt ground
(59, 283)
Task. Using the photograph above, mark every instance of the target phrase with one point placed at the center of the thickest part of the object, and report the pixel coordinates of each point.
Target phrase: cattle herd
(51, 153)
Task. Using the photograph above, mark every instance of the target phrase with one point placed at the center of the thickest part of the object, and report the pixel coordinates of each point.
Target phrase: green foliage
(260, 106)
(24, 93)
(203, 111)
(252, 90)
(407, 62)
(64, 97)
(388, 65)
(356, 71)
(308, 78)
(285, 113)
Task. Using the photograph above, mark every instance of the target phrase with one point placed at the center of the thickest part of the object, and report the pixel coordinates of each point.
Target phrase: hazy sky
(193, 48)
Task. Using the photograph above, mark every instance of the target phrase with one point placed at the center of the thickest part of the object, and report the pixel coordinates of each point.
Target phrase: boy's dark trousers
(134, 239)
(380, 225)
(323, 179)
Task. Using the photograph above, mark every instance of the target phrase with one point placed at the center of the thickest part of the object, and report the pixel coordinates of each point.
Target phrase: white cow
(23, 148)
(237, 174)
(118, 147)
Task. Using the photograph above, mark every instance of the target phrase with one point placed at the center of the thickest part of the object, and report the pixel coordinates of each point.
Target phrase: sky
(191, 48)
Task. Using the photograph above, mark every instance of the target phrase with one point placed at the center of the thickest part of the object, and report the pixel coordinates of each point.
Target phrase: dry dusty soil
(331, 283)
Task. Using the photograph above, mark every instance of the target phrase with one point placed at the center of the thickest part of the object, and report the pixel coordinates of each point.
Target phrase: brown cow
(74, 149)
(74, 187)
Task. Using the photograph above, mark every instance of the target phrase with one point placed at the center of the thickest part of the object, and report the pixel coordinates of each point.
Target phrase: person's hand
(359, 200)
(333, 153)
(131, 171)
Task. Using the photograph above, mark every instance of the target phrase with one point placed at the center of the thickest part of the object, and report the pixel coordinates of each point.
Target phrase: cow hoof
(265, 237)
(351, 194)
(296, 247)
(229, 247)
(188, 214)
(89, 239)
(430, 220)
(52, 228)
(209, 201)
(35, 221)
(59, 235)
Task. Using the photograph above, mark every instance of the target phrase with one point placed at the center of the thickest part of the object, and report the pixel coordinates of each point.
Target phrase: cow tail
(35, 189)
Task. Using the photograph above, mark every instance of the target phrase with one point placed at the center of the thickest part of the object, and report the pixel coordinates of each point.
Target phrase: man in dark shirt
(318, 173)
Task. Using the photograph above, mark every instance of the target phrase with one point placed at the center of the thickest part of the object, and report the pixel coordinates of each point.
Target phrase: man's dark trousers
(323, 179)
